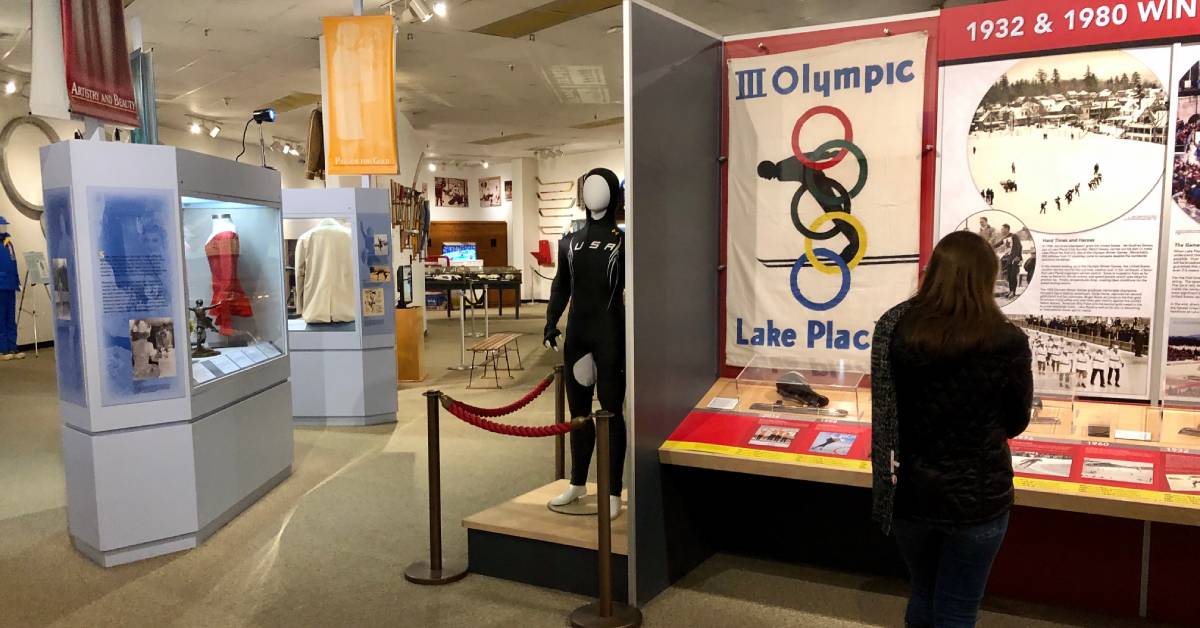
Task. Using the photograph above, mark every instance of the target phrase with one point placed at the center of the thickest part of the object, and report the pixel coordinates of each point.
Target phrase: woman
(951, 383)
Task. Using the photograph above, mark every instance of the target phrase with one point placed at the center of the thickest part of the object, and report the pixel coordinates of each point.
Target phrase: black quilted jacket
(948, 421)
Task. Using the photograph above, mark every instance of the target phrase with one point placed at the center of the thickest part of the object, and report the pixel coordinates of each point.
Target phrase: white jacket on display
(325, 275)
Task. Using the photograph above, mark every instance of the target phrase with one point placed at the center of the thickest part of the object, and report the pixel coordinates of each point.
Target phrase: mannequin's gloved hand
(550, 337)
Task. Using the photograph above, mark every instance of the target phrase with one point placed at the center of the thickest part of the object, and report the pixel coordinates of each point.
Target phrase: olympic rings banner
(824, 194)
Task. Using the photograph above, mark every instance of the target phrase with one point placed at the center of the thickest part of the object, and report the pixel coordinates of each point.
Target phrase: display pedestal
(345, 387)
(162, 447)
(559, 551)
(410, 344)
(344, 372)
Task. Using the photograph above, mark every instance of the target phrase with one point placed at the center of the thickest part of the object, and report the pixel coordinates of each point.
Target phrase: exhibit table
(464, 284)
(1146, 481)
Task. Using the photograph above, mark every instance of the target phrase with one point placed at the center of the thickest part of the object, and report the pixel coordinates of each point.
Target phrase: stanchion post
(560, 416)
(604, 613)
(434, 571)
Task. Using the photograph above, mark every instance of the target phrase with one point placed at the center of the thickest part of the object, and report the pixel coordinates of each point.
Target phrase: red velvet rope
(512, 407)
(526, 431)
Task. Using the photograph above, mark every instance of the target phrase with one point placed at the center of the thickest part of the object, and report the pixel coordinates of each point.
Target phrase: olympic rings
(842, 291)
(841, 217)
(841, 206)
(862, 171)
(808, 115)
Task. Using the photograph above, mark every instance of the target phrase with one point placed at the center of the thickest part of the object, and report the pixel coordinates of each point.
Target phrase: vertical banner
(1057, 161)
(360, 103)
(824, 195)
(48, 78)
(98, 76)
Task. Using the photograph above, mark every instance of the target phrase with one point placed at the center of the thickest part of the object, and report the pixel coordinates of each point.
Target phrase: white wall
(565, 168)
(25, 166)
(473, 211)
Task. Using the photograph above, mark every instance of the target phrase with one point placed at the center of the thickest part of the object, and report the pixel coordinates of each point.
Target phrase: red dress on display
(222, 251)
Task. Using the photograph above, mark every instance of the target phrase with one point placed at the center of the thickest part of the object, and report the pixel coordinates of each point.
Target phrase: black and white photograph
(489, 192)
(1183, 483)
(508, 191)
(1130, 471)
(152, 344)
(1182, 372)
(1070, 142)
(61, 281)
(450, 192)
(379, 244)
(372, 301)
(1185, 186)
(1015, 249)
(769, 436)
(1035, 463)
(835, 443)
(380, 274)
(1088, 354)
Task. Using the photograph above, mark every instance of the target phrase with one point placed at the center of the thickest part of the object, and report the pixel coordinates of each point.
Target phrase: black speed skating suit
(591, 275)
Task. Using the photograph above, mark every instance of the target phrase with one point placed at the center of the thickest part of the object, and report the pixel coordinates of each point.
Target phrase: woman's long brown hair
(955, 309)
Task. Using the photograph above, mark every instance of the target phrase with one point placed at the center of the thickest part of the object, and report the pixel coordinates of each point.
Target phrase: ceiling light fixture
(432, 167)
(195, 128)
(420, 10)
(287, 149)
(215, 130)
(10, 87)
(439, 8)
(485, 165)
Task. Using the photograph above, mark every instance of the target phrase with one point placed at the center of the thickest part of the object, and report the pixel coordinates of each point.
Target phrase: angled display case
(173, 367)
(341, 301)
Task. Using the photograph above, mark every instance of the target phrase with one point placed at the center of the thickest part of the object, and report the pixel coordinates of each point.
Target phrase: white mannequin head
(596, 196)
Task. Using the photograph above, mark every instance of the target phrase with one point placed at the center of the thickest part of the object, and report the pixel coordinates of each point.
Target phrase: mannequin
(10, 284)
(223, 249)
(591, 275)
(325, 290)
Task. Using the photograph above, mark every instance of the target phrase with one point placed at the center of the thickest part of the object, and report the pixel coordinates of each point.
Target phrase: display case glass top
(319, 274)
(234, 264)
(798, 388)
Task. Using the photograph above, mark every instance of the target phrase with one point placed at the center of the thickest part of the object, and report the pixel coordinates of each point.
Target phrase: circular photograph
(1014, 248)
(1071, 142)
(1186, 184)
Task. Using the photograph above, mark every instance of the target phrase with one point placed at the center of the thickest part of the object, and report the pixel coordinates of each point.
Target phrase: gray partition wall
(672, 130)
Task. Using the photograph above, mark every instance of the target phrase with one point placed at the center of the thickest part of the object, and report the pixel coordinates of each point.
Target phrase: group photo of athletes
(1088, 353)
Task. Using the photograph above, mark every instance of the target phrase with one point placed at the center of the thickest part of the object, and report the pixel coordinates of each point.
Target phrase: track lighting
(432, 167)
(485, 165)
(195, 128)
(10, 87)
(420, 10)
(439, 9)
(214, 130)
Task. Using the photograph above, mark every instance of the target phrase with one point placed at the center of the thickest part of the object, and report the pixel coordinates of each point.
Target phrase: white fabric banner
(824, 161)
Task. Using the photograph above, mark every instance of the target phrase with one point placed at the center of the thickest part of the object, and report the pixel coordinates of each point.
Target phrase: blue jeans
(949, 567)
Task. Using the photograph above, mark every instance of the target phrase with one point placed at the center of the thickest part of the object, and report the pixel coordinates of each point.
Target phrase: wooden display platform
(528, 517)
(524, 541)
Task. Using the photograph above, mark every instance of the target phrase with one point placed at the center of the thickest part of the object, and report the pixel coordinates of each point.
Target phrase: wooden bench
(493, 348)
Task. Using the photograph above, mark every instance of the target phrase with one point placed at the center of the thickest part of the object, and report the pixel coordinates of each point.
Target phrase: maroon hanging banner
(98, 76)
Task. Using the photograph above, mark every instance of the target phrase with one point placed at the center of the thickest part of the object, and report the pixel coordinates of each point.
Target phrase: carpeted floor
(329, 545)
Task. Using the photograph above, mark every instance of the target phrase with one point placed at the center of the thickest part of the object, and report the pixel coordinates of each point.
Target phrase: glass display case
(798, 388)
(319, 274)
(233, 262)
(1053, 412)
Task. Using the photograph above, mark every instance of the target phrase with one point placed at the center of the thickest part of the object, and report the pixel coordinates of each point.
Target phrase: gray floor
(328, 546)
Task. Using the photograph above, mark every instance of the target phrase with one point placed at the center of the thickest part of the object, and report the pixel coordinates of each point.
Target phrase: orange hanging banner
(360, 103)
